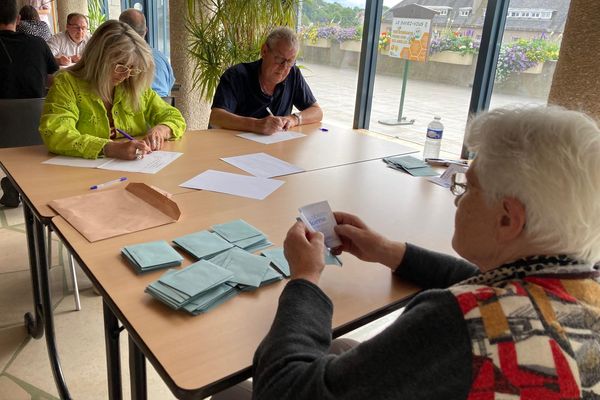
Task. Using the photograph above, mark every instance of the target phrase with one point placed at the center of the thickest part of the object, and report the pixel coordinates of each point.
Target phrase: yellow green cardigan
(74, 121)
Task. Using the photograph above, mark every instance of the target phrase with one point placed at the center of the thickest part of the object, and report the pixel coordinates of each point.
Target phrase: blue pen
(324, 129)
(122, 132)
(105, 184)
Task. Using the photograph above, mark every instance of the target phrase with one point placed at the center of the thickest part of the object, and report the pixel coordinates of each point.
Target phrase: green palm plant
(227, 32)
(95, 15)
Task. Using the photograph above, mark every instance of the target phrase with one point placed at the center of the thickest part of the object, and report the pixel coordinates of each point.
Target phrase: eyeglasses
(281, 60)
(458, 187)
(77, 27)
(124, 69)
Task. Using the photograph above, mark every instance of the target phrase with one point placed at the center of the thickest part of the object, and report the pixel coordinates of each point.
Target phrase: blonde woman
(106, 96)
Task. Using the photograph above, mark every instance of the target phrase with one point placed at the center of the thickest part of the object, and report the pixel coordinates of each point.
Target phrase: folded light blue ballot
(203, 244)
(178, 288)
(243, 235)
(212, 298)
(278, 259)
(410, 164)
(151, 256)
(248, 269)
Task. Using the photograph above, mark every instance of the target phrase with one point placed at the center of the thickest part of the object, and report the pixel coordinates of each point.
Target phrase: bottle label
(434, 133)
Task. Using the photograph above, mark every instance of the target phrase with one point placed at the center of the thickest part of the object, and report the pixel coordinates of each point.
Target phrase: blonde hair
(549, 159)
(115, 42)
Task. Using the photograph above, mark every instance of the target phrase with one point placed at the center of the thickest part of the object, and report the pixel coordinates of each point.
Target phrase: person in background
(516, 318)
(259, 96)
(26, 65)
(106, 91)
(68, 46)
(163, 73)
(31, 24)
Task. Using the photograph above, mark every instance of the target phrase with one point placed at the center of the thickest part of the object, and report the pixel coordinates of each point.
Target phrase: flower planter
(536, 69)
(351, 45)
(324, 43)
(452, 57)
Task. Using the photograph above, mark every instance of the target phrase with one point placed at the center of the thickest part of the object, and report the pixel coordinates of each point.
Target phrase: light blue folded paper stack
(151, 256)
(410, 164)
(196, 288)
(250, 271)
(243, 235)
(203, 244)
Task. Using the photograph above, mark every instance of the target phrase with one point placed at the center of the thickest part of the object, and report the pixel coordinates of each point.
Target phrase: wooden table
(197, 356)
(201, 150)
(338, 169)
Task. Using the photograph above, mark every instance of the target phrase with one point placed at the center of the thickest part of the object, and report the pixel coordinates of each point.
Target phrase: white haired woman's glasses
(458, 187)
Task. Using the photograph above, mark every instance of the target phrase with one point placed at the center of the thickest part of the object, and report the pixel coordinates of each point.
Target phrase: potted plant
(524, 56)
(453, 48)
(319, 36)
(225, 33)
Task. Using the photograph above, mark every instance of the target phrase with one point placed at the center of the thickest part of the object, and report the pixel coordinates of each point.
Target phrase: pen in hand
(270, 112)
(125, 134)
(109, 183)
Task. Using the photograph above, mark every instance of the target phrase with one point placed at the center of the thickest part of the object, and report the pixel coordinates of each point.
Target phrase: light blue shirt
(163, 74)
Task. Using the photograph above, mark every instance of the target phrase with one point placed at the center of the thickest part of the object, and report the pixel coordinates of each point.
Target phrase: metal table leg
(33, 322)
(137, 372)
(46, 314)
(113, 353)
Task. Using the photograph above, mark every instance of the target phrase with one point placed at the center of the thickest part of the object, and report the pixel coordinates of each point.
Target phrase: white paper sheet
(77, 162)
(277, 137)
(262, 165)
(239, 185)
(150, 164)
(445, 180)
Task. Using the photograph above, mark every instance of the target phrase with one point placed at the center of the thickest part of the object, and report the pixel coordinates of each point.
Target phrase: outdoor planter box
(325, 43)
(452, 57)
(350, 45)
(536, 69)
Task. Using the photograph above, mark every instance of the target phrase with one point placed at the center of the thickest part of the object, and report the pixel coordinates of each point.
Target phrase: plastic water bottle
(433, 140)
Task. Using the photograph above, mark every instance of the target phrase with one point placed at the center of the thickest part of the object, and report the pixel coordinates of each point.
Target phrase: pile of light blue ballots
(225, 267)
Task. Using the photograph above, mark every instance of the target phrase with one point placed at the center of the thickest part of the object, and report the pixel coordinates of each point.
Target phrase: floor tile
(11, 340)
(15, 256)
(9, 390)
(14, 216)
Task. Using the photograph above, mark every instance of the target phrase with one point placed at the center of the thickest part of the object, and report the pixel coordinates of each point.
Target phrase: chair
(169, 100)
(20, 121)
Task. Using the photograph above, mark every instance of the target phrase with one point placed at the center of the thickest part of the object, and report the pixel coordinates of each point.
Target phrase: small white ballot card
(319, 217)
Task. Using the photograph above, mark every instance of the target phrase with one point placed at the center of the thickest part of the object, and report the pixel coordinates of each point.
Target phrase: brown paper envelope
(108, 213)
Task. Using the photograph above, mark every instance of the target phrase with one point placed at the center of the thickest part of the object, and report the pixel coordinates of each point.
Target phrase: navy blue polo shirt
(239, 92)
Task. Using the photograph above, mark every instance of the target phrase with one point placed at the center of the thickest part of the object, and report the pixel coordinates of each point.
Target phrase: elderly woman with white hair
(517, 318)
(107, 96)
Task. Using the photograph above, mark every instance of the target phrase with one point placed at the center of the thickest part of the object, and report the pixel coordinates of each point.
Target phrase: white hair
(549, 159)
(285, 34)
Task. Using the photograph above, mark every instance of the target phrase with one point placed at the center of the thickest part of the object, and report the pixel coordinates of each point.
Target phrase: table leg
(113, 353)
(47, 316)
(137, 372)
(33, 322)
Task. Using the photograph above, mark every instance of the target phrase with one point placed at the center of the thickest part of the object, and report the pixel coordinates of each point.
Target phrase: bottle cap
(437, 117)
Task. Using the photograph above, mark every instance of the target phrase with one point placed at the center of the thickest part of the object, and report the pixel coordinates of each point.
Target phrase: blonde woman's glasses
(124, 69)
(458, 187)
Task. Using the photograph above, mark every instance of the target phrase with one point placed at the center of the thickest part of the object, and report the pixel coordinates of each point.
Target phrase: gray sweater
(424, 354)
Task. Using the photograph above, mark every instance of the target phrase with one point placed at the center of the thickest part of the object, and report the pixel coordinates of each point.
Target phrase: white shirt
(62, 45)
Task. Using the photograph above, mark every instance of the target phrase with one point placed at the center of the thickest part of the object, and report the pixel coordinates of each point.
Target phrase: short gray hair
(135, 19)
(282, 33)
(549, 159)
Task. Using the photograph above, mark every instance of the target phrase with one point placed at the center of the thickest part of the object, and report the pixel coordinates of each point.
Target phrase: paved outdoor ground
(335, 90)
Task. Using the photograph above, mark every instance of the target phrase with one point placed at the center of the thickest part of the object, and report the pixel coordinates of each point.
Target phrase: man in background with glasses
(517, 316)
(68, 46)
(259, 96)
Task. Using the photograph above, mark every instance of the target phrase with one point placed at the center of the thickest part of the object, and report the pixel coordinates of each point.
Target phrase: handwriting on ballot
(319, 217)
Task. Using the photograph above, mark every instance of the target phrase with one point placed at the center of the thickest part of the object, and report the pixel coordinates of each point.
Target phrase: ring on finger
(138, 152)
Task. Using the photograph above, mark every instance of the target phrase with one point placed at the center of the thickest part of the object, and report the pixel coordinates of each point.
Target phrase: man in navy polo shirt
(259, 96)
